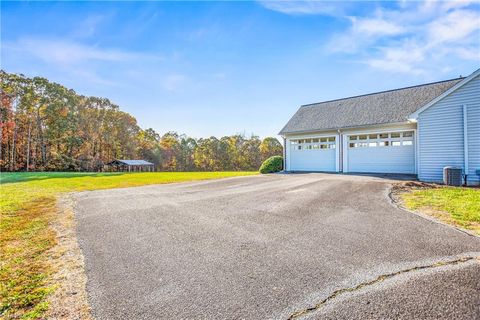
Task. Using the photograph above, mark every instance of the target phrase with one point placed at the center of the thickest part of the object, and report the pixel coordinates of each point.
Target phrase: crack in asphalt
(379, 279)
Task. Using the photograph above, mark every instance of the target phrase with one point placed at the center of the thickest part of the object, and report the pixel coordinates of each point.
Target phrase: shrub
(272, 164)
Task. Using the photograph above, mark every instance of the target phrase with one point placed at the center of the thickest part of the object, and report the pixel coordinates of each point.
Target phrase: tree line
(46, 126)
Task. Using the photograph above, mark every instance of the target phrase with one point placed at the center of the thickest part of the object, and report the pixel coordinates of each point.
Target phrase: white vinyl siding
(441, 134)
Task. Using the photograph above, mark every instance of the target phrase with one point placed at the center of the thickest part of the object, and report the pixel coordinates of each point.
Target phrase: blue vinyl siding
(441, 134)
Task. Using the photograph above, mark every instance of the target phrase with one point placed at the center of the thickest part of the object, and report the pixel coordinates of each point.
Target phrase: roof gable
(457, 86)
(385, 107)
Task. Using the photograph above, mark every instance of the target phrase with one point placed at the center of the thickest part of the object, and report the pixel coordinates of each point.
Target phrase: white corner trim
(414, 116)
(338, 145)
(344, 153)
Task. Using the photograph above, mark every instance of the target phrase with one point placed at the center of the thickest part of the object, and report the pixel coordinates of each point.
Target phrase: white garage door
(315, 154)
(392, 152)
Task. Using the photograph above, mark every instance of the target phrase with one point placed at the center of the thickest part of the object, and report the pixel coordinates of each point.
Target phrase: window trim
(314, 143)
(374, 140)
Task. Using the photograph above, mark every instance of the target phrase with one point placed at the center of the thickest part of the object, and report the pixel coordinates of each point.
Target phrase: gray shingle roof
(376, 108)
(132, 162)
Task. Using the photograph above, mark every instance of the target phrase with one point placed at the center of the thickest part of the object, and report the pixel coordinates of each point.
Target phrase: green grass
(27, 210)
(455, 205)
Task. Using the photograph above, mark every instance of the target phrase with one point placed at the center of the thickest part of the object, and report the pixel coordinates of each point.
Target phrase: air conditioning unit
(452, 176)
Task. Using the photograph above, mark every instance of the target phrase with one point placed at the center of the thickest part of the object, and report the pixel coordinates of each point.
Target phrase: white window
(392, 139)
(383, 135)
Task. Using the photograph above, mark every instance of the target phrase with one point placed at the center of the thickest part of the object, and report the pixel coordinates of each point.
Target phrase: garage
(383, 152)
(412, 130)
(313, 154)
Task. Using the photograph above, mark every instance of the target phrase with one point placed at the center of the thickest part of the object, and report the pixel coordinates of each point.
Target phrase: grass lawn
(454, 205)
(27, 211)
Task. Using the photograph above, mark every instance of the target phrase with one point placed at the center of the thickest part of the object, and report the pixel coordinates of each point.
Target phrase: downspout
(284, 154)
(465, 142)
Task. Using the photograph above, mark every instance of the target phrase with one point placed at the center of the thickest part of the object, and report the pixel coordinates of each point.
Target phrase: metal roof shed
(131, 165)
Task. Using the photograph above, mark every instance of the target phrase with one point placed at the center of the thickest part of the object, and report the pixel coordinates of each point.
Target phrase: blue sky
(220, 68)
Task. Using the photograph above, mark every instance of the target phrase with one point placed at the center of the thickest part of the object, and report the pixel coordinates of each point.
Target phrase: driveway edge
(69, 300)
(397, 203)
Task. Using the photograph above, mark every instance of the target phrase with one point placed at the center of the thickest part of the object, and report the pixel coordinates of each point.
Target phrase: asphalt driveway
(272, 247)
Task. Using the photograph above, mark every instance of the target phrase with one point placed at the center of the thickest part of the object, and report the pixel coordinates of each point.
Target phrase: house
(415, 130)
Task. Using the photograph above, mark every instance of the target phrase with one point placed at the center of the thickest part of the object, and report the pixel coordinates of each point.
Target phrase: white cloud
(306, 7)
(376, 27)
(413, 39)
(79, 61)
(401, 59)
(64, 52)
(468, 53)
(454, 26)
(447, 5)
(363, 32)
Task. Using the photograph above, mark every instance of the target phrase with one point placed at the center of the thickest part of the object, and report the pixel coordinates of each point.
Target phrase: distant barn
(131, 165)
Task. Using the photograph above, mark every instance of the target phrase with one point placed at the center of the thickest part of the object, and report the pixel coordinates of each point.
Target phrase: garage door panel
(313, 154)
(392, 152)
(382, 160)
(313, 160)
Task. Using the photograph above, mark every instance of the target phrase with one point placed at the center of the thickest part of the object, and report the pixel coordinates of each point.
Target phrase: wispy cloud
(364, 32)
(76, 59)
(307, 7)
(89, 26)
(414, 38)
(68, 52)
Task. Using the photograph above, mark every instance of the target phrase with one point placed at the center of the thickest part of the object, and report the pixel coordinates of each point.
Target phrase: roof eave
(348, 127)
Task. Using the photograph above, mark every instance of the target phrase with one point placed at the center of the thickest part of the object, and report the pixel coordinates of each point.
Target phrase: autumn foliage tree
(45, 126)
